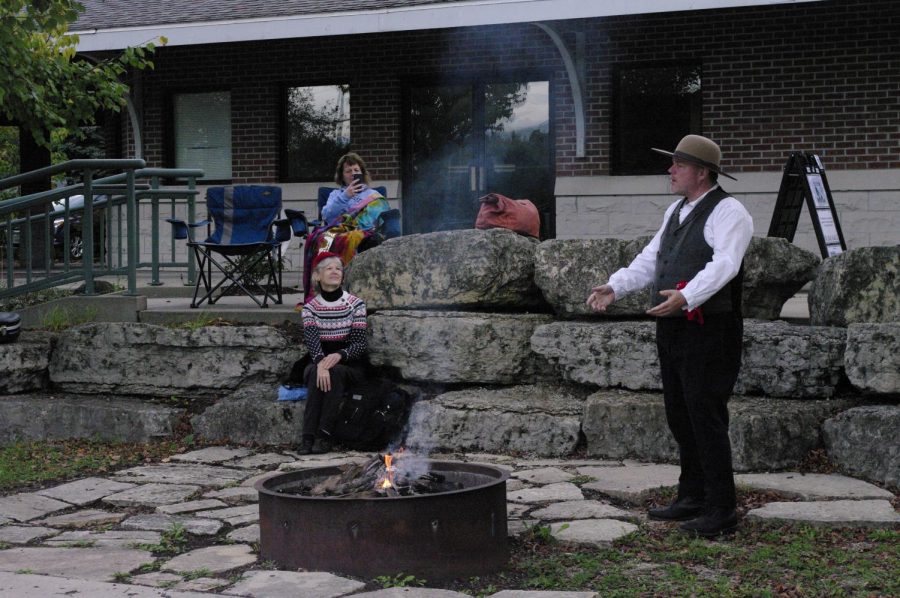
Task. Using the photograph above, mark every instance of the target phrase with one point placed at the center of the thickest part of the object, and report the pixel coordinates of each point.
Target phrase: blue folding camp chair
(244, 245)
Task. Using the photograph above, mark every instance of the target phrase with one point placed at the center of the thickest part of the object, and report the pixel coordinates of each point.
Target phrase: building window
(654, 106)
(203, 133)
(316, 131)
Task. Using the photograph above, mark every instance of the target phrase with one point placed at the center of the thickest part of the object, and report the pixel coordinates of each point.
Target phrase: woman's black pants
(322, 408)
(699, 365)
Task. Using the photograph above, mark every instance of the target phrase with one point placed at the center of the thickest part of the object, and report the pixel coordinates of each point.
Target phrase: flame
(388, 480)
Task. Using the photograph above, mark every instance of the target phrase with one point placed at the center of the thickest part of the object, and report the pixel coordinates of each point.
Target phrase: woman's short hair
(351, 158)
(321, 263)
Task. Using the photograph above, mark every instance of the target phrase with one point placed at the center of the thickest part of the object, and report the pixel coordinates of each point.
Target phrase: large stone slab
(23, 534)
(152, 495)
(84, 518)
(598, 532)
(813, 486)
(609, 354)
(865, 513)
(41, 586)
(99, 564)
(859, 285)
(85, 491)
(215, 559)
(779, 360)
(458, 347)
(53, 416)
(162, 522)
(529, 419)
(782, 360)
(765, 433)
(26, 506)
(864, 442)
(560, 491)
(631, 482)
(458, 269)
(213, 455)
(580, 509)
(293, 583)
(566, 270)
(24, 363)
(107, 539)
(252, 415)
(872, 358)
(183, 473)
(144, 359)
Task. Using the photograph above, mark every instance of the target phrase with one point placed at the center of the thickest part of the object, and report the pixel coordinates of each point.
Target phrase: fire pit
(443, 535)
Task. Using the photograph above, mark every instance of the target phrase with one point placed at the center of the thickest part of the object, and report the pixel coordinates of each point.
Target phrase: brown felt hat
(698, 150)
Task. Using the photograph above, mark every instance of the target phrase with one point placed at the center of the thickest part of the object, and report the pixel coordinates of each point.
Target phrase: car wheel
(76, 247)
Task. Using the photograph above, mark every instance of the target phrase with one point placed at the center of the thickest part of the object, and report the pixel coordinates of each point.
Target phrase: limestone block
(52, 417)
(765, 433)
(251, 415)
(144, 359)
(529, 419)
(24, 363)
(783, 360)
(779, 360)
(566, 270)
(872, 358)
(774, 270)
(859, 285)
(458, 347)
(460, 269)
(605, 354)
(864, 442)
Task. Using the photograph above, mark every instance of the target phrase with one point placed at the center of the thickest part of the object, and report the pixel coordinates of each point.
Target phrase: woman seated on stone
(334, 331)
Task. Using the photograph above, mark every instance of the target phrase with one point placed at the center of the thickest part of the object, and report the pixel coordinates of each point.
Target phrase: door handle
(473, 178)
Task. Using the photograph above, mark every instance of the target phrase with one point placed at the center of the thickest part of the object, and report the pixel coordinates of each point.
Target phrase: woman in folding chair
(349, 217)
(334, 330)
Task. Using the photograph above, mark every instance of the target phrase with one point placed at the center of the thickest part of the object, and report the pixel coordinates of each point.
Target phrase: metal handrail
(20, 213)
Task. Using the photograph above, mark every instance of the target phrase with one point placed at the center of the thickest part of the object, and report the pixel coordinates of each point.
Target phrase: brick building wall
(819, 76)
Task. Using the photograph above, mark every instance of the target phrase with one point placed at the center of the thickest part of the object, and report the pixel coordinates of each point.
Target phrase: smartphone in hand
(357, 178)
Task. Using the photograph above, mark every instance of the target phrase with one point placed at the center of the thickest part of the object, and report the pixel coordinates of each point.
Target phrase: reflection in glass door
(467, 140)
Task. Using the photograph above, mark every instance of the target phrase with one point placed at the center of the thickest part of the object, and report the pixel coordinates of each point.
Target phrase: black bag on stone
(372, 415)
(10, 325)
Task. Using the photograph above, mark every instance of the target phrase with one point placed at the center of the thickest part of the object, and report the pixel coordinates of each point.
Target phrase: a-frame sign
(804, 179)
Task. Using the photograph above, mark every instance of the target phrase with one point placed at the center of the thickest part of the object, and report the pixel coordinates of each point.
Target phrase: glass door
(467, 140)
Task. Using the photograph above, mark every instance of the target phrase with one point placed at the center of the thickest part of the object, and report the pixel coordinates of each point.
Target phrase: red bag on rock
(498, 211)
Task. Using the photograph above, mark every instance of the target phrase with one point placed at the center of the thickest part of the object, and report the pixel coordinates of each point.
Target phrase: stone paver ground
(93, 537)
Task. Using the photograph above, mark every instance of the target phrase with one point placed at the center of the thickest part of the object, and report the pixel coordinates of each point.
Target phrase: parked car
(75, 247)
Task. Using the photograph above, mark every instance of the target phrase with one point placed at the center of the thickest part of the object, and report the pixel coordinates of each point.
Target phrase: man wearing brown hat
(694, 264)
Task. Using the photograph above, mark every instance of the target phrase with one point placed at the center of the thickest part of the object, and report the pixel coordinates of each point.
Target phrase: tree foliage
(44, 84)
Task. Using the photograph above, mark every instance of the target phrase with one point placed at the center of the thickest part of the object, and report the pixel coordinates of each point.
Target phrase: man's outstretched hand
(671, 306)
(601, 297)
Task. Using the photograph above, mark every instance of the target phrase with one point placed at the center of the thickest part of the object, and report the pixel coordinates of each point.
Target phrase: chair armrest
(180, 228)
(298, 222)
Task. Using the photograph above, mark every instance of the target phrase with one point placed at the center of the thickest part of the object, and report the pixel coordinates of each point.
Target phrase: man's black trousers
(699, 365)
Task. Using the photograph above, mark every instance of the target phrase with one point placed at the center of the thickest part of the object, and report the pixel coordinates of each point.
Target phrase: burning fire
(387, 481)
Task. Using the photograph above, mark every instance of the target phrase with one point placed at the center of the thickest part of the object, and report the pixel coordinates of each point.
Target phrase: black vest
(683, 252)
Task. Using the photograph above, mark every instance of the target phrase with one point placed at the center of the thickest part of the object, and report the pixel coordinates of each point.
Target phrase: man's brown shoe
(681, 510)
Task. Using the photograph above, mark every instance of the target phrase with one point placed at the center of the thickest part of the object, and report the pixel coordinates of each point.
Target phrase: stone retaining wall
(513, 381)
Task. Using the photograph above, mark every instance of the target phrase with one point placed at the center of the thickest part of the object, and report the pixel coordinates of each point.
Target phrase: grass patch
(59, 318)
(759, 560)
(25, 464)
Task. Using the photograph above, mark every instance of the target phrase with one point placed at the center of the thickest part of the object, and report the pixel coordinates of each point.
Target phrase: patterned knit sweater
(335, 322)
